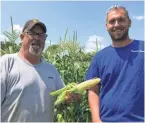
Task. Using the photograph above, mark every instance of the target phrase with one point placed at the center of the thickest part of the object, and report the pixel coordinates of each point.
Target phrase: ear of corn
(82, 87)
(78, 91)
(88, 84)
(74, 88)
(55, 93)
(60, 98)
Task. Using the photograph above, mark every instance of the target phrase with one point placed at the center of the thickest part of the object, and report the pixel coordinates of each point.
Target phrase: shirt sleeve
(93, 70)
(59, 82)
(3, 76)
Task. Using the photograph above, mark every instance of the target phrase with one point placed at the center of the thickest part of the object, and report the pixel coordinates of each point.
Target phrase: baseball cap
(31, 23)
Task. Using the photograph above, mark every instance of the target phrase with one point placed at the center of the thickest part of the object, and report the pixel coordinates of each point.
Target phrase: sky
(85, 17)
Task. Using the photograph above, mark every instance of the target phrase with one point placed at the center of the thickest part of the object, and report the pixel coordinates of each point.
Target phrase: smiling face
(118, 24)
(33, 41)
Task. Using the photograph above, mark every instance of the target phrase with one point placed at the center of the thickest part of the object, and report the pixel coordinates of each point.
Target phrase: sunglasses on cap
(116, 7)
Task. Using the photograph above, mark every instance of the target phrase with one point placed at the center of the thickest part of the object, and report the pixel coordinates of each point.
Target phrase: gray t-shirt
(25, 90)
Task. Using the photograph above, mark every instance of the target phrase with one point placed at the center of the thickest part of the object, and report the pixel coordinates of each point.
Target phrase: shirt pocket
(50, 83)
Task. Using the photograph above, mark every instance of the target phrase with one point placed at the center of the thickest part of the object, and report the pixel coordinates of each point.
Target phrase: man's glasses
(33, 35)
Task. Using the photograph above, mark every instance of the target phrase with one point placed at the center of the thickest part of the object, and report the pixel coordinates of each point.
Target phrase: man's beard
(36, 48)
(121, 38)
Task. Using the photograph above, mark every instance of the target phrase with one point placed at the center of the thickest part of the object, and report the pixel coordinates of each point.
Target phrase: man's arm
(93, 93)
(93, 97)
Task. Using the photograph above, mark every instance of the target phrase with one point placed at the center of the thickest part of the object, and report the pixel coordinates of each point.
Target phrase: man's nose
(36, 37)
(116, 23)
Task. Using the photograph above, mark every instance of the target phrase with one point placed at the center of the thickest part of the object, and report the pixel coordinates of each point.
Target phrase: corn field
(71, 62)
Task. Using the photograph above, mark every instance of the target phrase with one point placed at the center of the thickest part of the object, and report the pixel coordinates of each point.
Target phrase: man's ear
(106, 26)
(21, 36)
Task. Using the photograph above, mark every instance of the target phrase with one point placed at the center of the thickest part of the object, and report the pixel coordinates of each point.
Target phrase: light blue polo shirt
(25, 90)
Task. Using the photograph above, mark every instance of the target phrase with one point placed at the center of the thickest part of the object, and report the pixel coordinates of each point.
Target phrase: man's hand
(71, 97)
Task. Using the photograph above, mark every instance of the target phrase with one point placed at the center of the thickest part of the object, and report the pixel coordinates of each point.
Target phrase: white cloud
(92, 43)
(17, 27)
(47, 44)
(2, 37)
(138, 17)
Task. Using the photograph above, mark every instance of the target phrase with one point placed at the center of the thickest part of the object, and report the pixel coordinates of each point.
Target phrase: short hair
(117, 7)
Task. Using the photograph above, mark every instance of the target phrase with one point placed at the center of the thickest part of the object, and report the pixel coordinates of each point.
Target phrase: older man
(27, 79)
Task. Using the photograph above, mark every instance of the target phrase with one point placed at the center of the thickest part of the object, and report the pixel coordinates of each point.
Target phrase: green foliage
(9, 48)
(72, 62)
